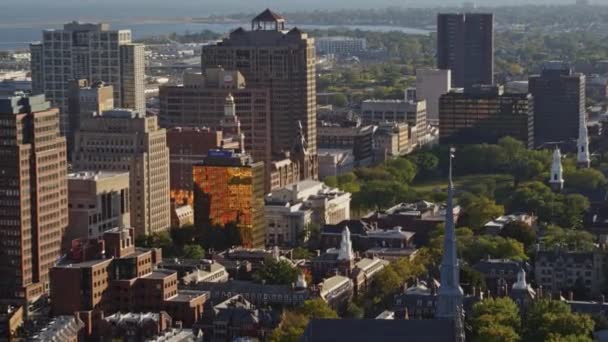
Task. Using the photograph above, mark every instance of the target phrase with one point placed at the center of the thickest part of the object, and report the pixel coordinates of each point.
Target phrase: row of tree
(544, 320)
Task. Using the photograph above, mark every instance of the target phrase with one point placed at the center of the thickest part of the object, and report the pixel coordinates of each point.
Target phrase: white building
(340, 45)
(333, 162)
(411, 112)
(286, 223)
(290, 210)
(92, 52)
(430, 85)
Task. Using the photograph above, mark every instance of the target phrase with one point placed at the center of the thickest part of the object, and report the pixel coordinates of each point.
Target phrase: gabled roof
(268, 15)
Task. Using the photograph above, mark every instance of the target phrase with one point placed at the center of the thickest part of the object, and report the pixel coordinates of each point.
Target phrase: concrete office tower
(201, 102)
(84, 99)
(411, 112)
(229, 188)
(125, 140)
(270, 57)
(98, 202)
(430, 85)
(559, 103)
(465, 45)
(92, 52)
(33, 195)
(484, 114)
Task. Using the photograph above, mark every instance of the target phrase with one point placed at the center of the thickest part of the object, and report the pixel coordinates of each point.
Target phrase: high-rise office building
(98, 201)
(465, 45)
(84, 99)
(484, 114)
(229, 188)
(125, 140)
(92, 52)
(270, 57)
(189, 146)
(201, 102)
(33, 195)
(559, 103)
(430, 85)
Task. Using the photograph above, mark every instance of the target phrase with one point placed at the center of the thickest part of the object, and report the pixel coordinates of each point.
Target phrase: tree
(193, 252)
(300, 253)
(495, 319)
(294, 322)
(520, 231)
(585, 180)
(354, 311)
(496, 333)
(571, 239)
(276, 273)
(547, 320)
(478, 210)
(482, 246)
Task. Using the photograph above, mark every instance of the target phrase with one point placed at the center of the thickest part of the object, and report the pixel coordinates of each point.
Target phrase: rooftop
(268, 15)
(94, 175)
(360, 330)
(159, 273)
(188, 295)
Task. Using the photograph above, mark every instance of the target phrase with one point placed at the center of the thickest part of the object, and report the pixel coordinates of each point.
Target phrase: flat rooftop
(95, 175)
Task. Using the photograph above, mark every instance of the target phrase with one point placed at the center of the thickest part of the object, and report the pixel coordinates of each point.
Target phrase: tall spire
(346, 246)
(582, 144)
(557, 177)
(449, 304)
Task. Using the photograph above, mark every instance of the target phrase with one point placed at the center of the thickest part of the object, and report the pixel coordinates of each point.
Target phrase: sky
(48, 11)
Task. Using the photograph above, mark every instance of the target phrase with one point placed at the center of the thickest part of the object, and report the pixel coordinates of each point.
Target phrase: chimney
(570, 296)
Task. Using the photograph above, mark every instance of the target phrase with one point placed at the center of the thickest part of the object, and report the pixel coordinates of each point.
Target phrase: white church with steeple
(450, 294)
(583, 159)
(557, 172)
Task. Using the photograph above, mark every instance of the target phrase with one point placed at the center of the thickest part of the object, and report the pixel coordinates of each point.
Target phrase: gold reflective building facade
(229, 188)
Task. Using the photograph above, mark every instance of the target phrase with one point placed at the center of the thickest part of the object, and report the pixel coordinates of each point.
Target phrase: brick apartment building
(125, 279)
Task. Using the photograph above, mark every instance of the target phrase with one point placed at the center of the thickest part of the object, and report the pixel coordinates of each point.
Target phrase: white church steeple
(450, 295)
(557, 178)
(582, 144)
(346, 246)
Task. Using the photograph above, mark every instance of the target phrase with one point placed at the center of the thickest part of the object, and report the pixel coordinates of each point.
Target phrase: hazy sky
(26, 11)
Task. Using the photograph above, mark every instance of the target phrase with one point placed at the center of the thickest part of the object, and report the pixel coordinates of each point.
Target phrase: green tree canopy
(496, 319)
(550, 320)
(478, 210)
(193, 252)
(571, 239)
(276, 272)
(520, 231)
(585, 180)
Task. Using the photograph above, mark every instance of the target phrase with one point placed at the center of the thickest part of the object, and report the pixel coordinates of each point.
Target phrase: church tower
(299, 154)
(557, 179)
(582, 145)
(230, 123)
(450, 296)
